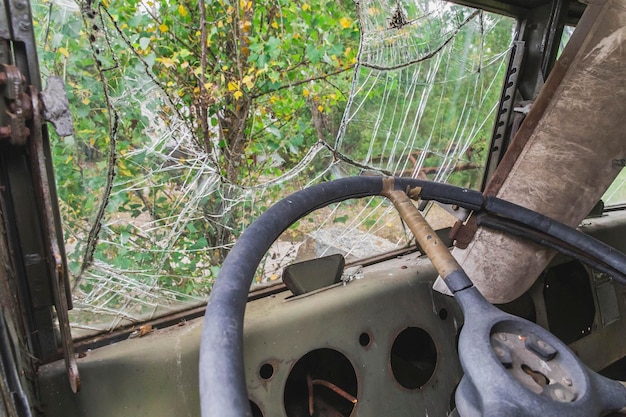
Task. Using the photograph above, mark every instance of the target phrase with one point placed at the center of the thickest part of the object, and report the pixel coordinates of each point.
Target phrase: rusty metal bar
(430, 243)
(56, 262)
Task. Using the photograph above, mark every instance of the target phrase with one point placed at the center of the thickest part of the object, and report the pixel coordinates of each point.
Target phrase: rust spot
(145, 329)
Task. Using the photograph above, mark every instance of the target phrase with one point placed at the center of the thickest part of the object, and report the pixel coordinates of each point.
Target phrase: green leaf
(144, 43)
(313, 54)
(275, 132)
(341, 219)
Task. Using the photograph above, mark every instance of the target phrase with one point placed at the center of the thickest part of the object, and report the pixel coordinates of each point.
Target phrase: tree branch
(297, 83)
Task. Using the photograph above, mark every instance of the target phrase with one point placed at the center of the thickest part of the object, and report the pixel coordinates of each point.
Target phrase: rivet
(567, 381)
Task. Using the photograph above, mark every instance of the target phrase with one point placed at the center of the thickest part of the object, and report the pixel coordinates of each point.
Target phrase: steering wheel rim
(221, 347)
(221, 351)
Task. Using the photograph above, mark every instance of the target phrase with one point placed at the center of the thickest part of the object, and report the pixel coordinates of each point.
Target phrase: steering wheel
(492, 344)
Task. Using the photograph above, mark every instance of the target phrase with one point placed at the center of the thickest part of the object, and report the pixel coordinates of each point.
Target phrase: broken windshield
(189, 123)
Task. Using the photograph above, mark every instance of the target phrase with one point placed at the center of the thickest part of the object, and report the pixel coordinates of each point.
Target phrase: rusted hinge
(16, 105)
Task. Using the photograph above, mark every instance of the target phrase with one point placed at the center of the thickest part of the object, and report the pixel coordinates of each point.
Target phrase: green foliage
(240, 79)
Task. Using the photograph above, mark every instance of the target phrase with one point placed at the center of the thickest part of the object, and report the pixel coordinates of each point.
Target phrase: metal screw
(20, 5)
(502, 337)
(567, 381)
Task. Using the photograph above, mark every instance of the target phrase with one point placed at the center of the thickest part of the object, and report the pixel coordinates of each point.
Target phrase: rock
(353, 244)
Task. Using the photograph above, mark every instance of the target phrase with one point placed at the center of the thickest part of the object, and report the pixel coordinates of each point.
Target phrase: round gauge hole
(322, 382)
(365, 339)
(256, 411)
(266, 371)
(443, 314)
(413, 357)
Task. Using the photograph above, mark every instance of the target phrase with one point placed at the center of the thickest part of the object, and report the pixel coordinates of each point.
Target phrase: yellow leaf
(248, 81)
(164, 28)
(168, 62)
(320, 108)
(86, 101)
(238, 94)
(306, 7)
(69, 159)
(182, 10)
(345, 22)
(233, 86)
(305, 92)
(220, 24)
(106, 3)
(275, 25)
(208, 85)
(184, 64)
(225, 68)
(64, 52)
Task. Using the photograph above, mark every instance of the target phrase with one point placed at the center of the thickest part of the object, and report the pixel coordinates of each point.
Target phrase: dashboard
(378, 343)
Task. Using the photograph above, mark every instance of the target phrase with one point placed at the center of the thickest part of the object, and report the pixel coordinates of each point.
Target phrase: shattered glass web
(422, 104)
